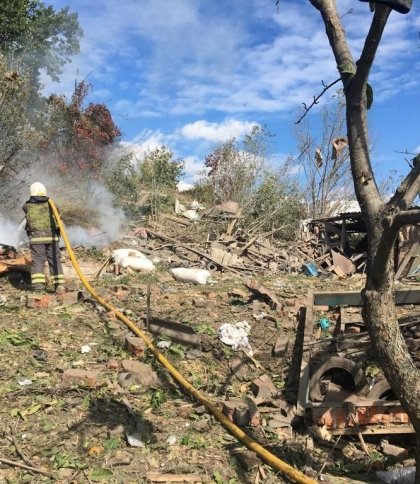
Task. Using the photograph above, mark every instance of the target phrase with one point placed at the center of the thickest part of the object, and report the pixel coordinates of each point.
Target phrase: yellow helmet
(38, 190)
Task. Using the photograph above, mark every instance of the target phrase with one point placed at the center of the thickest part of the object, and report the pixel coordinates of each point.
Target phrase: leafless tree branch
(409, 188)
(407, 217)
(316, 99)
(373, 39)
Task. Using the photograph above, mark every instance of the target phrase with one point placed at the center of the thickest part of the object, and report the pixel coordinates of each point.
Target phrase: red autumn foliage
(78, 135)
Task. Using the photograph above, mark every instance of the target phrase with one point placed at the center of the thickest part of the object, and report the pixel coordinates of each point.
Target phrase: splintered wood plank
(350, 316)
(344, 263)
(158, 477)
(306, 355)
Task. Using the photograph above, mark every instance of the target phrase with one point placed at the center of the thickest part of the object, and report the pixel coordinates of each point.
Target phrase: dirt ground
(127, 434)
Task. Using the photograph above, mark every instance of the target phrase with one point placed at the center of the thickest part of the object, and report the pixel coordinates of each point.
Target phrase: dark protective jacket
(41, 226)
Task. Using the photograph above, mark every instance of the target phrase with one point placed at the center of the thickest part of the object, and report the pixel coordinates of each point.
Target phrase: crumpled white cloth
(236, 335)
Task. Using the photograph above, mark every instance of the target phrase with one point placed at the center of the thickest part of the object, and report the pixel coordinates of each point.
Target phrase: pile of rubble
(342, 242)
(342, 388)
(214, 239)
(10, 259)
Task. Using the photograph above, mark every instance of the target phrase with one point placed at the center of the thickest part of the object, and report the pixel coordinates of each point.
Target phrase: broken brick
(238, 293)
(35, 301)
(238, 367)
(72, 285)
(393, 450)
(241, 416)
(122, 292)
(75, 376)
(123, 295)
(72, 297)
(135, 345)
(247, 459)
(263, 387)
(282, 346)
(242, 413)
(112, 364)
(199, 303)
(254, 417)
(278, 421)
(228, 410)
(141, 373)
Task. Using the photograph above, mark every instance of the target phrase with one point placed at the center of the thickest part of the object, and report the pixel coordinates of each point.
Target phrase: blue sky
(192, 73)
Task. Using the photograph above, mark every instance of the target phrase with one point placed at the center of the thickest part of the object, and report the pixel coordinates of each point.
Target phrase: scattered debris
(236, 335)
(193, 276)
(338, 372)
(114, 406)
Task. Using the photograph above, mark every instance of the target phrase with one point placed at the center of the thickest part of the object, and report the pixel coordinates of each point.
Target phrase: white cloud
(145, 142)
(132, 110)
(198, 56)
(216, 132)
(193, 169)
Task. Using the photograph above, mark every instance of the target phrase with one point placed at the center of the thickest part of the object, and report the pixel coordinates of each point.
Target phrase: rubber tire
(328, 364)
(378, 390)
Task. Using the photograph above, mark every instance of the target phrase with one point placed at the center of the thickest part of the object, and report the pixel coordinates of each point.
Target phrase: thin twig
(328, 458)
(103, 266)
(19, 451)
(148, 308)
(266, 341)
(316, 99)
(24, 466)
(256, 363)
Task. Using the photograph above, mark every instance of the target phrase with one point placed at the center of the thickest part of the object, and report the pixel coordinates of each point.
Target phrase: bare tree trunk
(390, 347)
(379, 314)
(383, 220)
(379, 311)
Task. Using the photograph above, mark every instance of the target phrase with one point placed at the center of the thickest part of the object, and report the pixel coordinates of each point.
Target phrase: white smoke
(105, 228)
(11, 232)
(109, 219)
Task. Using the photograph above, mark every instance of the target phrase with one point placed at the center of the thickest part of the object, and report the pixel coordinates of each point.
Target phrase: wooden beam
(354, 298)
(302, 398)
(191, 249)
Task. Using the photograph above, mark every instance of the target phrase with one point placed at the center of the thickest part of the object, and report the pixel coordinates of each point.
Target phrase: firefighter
(44, 237)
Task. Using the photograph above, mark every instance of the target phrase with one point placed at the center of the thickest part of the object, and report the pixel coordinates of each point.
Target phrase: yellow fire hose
(265, 455)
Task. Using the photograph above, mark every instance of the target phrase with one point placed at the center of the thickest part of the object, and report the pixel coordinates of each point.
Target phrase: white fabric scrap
(236, 335)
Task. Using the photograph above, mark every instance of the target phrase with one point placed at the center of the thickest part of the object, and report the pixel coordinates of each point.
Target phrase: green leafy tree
(276, 207)
(18, 136)
(124, 182)
(15, 131)
(159, 167)
(159, 174)
(37, 36)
